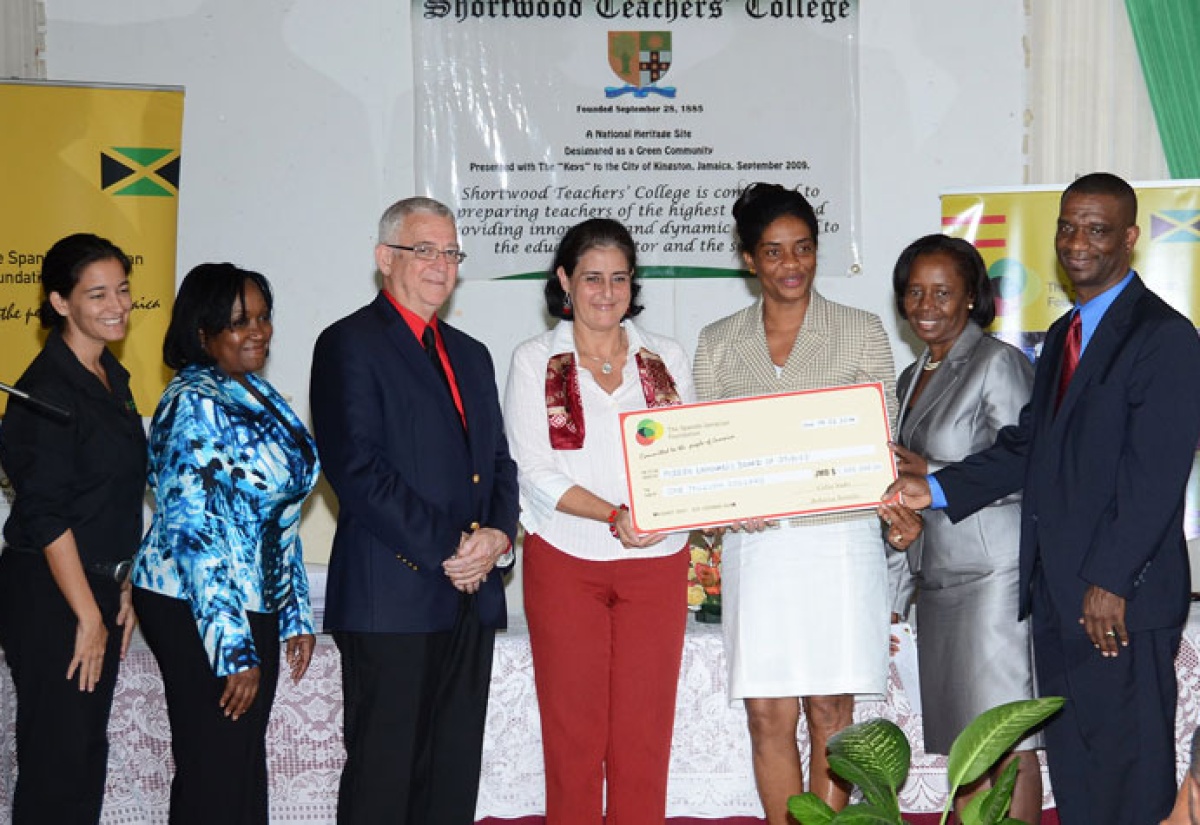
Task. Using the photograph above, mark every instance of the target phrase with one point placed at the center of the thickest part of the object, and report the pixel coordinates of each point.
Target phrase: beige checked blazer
(836, 345)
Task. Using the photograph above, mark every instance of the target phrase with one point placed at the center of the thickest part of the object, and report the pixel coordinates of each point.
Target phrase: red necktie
(429, 342)
(1070, 357)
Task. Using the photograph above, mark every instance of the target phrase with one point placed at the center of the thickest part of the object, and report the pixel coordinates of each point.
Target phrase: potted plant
(875, 756)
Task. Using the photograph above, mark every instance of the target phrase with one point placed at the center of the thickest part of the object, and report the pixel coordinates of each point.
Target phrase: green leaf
(810, 809)
(990, 806)
(866, 814)
(874, 756)
(875, 789)
(991, 735)
(970, 813)
(997, 801)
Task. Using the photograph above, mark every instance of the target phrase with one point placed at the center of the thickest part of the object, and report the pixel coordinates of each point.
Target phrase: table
(710, 774)
(710, 761)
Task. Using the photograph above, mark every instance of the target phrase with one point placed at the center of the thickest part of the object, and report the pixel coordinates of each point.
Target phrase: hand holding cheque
(911, 491)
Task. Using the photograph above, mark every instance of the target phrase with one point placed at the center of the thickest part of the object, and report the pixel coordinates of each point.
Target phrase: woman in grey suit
(805, 602)
(966, 386)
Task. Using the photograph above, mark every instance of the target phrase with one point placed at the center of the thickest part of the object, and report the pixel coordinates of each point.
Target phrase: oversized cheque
(772, 456)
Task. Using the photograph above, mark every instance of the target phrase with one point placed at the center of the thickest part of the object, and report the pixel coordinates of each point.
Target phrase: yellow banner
(1014, 231)
(97, 159)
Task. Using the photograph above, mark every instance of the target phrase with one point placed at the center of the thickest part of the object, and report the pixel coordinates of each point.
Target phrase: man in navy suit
(1103, 455)
(407, 421)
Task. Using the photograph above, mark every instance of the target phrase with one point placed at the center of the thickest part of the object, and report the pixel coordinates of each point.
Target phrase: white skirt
(805, 611)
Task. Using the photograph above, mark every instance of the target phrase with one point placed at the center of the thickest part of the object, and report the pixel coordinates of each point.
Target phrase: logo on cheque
(648, 431)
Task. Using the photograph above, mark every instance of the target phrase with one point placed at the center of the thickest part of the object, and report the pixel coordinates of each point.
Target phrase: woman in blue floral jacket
(220, 576)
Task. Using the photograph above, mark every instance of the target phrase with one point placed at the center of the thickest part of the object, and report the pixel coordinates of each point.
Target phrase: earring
(971, 305)
(566, 308)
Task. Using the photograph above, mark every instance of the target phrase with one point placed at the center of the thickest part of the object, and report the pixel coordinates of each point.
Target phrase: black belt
(117, 571)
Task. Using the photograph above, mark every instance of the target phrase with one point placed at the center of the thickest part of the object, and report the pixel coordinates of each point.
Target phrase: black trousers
(220, 765)
(62, 733)
(1111, 750)
(415, 707)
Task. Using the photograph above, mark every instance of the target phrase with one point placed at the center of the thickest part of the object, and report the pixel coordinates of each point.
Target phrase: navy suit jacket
(1104, 477)
(408, 481)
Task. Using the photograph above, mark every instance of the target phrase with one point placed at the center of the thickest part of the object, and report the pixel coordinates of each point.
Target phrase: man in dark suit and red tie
(407, 421)
(1103, 451)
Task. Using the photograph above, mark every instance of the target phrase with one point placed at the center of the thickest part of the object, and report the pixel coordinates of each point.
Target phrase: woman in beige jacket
(805, 602)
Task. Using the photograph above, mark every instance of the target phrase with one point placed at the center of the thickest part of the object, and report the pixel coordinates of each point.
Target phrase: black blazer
(1104, 478)
(408, 481)
(86, 474)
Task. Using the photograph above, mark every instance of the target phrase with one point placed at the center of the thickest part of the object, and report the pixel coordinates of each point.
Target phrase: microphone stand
(53, 410)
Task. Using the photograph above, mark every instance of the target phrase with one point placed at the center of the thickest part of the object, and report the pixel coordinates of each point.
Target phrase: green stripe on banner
(142, 155)
(1167, 33)
(652, 272)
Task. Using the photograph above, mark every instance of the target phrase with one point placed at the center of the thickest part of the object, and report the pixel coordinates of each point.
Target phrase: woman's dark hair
(760, 204)
(205, 305)
(580, 238)
(65, 262)
(967, 263)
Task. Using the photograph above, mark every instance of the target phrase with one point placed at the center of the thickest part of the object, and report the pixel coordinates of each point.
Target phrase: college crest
(640, 59)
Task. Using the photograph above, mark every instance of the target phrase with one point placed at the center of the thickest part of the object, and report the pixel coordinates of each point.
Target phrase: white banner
(533, 115)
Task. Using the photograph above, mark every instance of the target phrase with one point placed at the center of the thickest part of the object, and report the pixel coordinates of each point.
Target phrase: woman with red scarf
(606, 605)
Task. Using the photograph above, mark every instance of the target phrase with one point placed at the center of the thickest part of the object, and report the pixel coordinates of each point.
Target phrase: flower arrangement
(704, 576)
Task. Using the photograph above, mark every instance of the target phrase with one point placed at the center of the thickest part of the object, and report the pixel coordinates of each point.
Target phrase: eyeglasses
(429, 252)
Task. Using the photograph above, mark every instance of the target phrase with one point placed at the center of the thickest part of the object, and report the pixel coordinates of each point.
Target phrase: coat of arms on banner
(640, 59)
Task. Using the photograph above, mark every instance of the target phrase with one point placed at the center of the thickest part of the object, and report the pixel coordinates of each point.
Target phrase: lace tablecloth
(710, 761)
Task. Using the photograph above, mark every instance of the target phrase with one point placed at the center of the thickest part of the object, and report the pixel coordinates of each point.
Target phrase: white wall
(298, 132)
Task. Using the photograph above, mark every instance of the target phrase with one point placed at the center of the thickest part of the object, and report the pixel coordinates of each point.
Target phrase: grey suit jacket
(836, 345)
(980, 387)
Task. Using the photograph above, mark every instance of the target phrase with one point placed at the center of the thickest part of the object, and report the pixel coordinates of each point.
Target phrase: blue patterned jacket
(229, 479)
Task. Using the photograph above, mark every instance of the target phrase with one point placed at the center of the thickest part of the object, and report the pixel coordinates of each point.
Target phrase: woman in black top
(65, 609)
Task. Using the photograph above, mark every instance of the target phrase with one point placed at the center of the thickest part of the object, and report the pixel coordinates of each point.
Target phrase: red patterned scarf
(564, 407)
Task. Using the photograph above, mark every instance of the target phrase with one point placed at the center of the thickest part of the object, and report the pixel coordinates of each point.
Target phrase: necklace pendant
(606, 368)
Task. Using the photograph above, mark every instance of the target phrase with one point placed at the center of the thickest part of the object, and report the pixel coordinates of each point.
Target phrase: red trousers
(607, 640)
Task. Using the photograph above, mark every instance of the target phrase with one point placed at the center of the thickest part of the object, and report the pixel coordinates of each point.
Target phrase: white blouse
(545, 474)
